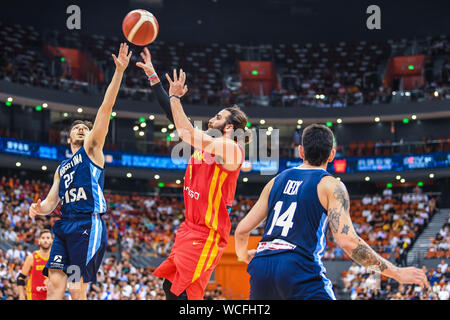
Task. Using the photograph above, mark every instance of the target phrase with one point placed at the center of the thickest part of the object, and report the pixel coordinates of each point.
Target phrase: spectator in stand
(387, 193)
(366, 200)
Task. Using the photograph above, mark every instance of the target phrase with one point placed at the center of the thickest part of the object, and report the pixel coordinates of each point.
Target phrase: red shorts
(194, 256)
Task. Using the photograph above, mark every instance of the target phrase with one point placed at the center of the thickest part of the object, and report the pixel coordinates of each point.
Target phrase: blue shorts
(78, 247)
(283, 276)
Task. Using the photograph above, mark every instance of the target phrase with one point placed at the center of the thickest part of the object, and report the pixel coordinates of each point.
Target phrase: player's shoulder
(330, 183)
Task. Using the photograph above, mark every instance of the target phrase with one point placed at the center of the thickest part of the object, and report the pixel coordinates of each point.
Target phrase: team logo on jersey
(192, 193)
(291, 187)
(57, 258)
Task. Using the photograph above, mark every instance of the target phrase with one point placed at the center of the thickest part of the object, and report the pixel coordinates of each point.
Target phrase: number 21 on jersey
(284, 220)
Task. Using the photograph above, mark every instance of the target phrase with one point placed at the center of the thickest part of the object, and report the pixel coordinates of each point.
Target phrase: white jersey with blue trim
(81, 186)
(296, 220)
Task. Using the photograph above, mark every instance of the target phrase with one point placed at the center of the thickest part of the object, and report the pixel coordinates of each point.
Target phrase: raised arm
(160, 93)
(334, 197)
(226, 149)
(96, 139)
(51, 201)
(251, 221)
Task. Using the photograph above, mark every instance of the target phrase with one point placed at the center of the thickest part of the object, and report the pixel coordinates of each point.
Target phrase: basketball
(140, 27)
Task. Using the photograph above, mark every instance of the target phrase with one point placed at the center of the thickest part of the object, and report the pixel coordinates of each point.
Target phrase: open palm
(123, 58)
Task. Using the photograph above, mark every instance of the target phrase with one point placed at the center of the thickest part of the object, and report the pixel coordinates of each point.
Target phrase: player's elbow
(241, 231)
(345, 242)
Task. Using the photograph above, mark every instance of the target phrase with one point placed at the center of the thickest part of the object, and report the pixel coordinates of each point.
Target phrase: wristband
(152, 76)
(175, 96)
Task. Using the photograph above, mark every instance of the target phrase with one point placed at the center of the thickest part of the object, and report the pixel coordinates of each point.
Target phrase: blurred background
(384, 93)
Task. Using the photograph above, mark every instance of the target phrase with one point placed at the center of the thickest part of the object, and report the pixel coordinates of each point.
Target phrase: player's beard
(44, 247)
(213, 131)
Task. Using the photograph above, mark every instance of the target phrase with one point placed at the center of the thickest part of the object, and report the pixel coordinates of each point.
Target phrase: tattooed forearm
(365, 256)
(345, 229)
(342, 196)
(334, 216)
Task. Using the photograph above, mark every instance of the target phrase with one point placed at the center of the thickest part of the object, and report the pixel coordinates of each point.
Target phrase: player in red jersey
(209, 187)
(36, 287)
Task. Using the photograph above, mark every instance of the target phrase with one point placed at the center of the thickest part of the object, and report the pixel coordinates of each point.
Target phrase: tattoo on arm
(342, 196)
(334, 216)
(365, 256)
(345, 229)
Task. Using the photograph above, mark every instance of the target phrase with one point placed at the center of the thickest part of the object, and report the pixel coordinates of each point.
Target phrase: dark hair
(317, 142)
(43, 231)
(239, 120)
(85, 122)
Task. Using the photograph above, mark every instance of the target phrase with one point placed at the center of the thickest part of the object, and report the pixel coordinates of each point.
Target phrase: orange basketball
(140, 27)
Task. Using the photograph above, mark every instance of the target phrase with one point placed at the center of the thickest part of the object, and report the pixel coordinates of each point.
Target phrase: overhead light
(299, 121)
(18, 164)
(270, 128)
(431, 175)
(338, 178)
(178, 181)
(80, 110)
(10, 99)
(45, 105)
(44, 168)
(172, 135)
(245, 179)
(129, 175)
(402, 180)
(407, 93)
(299, 126)
(268, 132)
(339, 120)
(322, 96)
(151, 117)
(141, 133)
(398, 177)
(171, 126)
(436, 93)
(414, 117)
(65, 114)
(164, 130)
(317, 96)
(114, 113)
(143, 124)
(367, 178)
(156, 176)
(262, 121)
(135, 128)
(377, 119)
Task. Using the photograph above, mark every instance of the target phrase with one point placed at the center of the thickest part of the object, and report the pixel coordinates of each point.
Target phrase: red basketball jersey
(36, 288)
(208, 191)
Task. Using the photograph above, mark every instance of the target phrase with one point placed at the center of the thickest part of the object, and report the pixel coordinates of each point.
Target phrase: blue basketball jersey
(81, 186)
(296, 221)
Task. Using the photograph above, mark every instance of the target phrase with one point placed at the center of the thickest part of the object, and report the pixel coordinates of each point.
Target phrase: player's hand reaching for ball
(35, 209)
(147, 66)
(177, 86)
(123, 57)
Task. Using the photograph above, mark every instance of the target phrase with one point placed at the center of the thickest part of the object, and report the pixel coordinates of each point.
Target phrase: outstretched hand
(177, 86)
(123, 58)
(147, 66)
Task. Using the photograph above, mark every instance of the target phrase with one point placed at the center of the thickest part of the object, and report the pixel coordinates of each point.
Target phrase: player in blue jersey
(80, 235)
(299, 204)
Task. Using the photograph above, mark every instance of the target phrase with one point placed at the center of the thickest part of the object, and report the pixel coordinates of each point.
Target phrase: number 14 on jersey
(284, 220)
